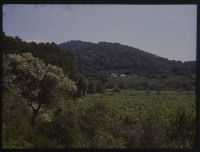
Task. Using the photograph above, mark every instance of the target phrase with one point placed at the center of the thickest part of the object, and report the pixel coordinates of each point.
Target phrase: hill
(103, 59)
(112, 64)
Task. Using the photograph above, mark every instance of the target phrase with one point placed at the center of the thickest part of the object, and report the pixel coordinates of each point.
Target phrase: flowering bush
(38, 83)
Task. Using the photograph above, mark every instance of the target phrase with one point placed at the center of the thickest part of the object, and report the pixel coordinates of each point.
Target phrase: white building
(122, 75)
(113, 75)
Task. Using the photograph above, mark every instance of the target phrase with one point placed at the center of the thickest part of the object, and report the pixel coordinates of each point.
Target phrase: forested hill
(95, 58)
(104, 63)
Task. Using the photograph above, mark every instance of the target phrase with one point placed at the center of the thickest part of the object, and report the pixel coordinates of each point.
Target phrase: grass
(125, 119)
(141, 114)
(127, 99)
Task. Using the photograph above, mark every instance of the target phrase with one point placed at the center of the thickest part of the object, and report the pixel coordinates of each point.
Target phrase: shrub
(182, 129)
(92, 87)
(105, 140)
(100, 87)
(17, 132)
(158, 92)
(122, 85)
(116, 90)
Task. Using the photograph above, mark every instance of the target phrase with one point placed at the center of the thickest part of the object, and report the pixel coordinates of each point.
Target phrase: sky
(165, 30)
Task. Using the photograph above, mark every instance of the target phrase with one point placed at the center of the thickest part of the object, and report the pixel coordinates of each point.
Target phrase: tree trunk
(35, 113)
(33, 118)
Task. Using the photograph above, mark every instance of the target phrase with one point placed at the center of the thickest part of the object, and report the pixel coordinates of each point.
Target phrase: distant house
(122, 75)
(113, 75)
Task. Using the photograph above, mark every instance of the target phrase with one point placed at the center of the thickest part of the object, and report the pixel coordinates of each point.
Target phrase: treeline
(99, 61)
(91, 65)
(51, 54)
(178, 82)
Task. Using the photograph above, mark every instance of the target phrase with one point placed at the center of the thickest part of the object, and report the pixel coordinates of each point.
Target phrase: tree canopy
(38, 83)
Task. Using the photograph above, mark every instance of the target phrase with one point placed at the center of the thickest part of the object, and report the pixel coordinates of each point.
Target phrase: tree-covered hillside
(114, 57)
(100, 60)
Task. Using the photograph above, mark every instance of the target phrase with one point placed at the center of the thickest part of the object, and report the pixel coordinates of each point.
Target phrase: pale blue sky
(165, 30)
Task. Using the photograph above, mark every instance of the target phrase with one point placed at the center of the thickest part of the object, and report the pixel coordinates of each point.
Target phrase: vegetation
(128, 119)
(35, 81)
(49, 52)
(48, 103)
(99, 61)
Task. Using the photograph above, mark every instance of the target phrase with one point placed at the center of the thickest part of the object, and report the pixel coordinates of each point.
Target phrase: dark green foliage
(109, 85)
(16, 120)
(38, 84)
(146, 125)
(147, 92)
(143, 83)
(100, 87)
(122, 85)
(96, 87)
(113, 119)
(158, 92)
(17, 129)
(182, 127)
(59, 129)
(50, 52)
(116, 90)
(103, 76)
(99, 122)
(82, 86)
(96, 123)
(100, 60)
(92, 87)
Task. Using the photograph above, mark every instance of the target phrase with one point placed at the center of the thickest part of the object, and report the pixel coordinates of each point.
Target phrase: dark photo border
(136, 2)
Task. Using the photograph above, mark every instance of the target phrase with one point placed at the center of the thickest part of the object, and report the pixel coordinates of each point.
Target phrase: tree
(82, 86)
(103, 76)
(49, 52)
(100, 87)
(38, 83)
(122, 85)
(92, 87)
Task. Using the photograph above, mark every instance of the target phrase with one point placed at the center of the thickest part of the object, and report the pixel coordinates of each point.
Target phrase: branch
(31, 105)
(39, 106)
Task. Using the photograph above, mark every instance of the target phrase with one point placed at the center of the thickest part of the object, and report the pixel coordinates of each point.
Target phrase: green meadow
(125, 119)
(137, 119)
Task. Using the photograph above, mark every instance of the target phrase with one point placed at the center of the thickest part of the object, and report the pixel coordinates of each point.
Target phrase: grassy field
(140, 119)
(125, 119)
(128, 98)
